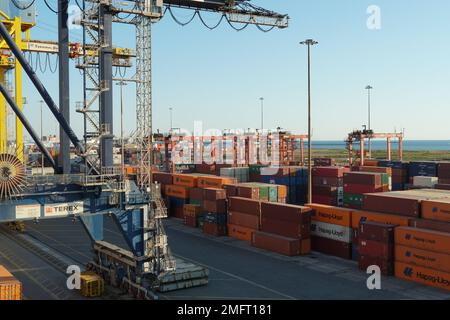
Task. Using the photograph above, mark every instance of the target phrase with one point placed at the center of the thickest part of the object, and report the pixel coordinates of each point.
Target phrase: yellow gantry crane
(20, 31)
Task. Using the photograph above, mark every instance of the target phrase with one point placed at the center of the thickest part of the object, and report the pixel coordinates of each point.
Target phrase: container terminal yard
(256, 214)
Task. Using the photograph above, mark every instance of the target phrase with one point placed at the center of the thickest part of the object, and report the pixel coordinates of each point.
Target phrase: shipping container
(331, 247)
(444, 170)
(360, 188)
(424, 258)
(163, 178)
(386, 266)
(291, 229)
(436, 210)
(240, 233)
(244, 220)
(423, 239)
(430, 225)
(177, 191)
(214, 229)
(213, 194)
(363, 178)
(428, 169)
(425, 182)
(353, 200)
(10, 287)
(331, 214)
(324, 162)
(286, 212)
(331, 231)
(328, 181)
(196, 194)
(359, 216)
(372, 248)
(393, 164)
(279, 244)
(426, 276)
(214, 181)
(250, 192)
(327, 200)
(369, 230)
(190, 221)
(185, 180)
(218, 206)
(244, 205)
(336, 172)
(192, 210)
(442, 186)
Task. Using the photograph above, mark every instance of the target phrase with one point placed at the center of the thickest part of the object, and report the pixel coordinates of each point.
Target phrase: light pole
(368, 88)
(309, 43)
(122, 83)
(171, 123)
(262, 113)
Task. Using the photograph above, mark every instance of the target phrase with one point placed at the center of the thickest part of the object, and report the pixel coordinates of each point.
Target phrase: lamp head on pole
(309, 42)
(369, 87)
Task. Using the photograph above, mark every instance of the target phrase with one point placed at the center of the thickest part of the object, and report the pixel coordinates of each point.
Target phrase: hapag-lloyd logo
(434, 279)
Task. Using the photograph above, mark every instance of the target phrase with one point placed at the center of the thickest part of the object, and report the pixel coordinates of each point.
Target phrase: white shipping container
(331, 231)
(427, 182)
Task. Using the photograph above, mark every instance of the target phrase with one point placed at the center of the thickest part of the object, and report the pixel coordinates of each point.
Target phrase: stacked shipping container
(328, 185)
(358, 183)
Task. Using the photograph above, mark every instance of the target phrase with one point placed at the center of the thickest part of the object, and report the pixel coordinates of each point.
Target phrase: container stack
(324, 162)
(192, 213)
(215, 212)
(400, 177)
(293, 178)
(241, 174)
(331, 231)
(358, 183)
(376, 246)
(255, 172)
(177, 197)
(387, 171)
(262, 191)
(421, 182)
(328, 185)
(444, 175)
(422, 169)
(285, 229)
(244, 217)
(10, 287)
(423, 256)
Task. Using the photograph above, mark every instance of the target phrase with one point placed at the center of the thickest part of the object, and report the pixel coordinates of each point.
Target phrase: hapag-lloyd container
(423, 239)
(331, 231)
(331, 214)
(283, 245)
(422, 275)
(376, 231)
(331, 247)
(430, 224)
(372, 248)
(424, 258)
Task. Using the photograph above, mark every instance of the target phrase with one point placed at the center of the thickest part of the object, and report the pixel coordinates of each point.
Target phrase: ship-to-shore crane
(102, 190)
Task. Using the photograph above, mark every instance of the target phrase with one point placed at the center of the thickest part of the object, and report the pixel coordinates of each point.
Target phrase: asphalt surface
(237, 270)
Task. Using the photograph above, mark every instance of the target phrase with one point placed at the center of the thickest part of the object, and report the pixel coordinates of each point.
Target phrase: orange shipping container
(10, 287)
(424, 258)
(240, 233)
(282, 191)
(214, 182)
(192, 210)
(423, 239)
(177, 191)
(427, 276)
(185, 180)
(332, 215)
(358, 216)
(436, 210)
(376, 170)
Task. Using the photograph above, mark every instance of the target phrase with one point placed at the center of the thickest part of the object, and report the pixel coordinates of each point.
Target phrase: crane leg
(3, 118)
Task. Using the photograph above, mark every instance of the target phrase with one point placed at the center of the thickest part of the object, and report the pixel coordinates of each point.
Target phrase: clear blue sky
(218, 76)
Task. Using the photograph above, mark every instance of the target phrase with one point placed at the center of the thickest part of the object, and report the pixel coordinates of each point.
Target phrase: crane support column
(106, 96)
(18, 88)
(64, 88)
(3, 118)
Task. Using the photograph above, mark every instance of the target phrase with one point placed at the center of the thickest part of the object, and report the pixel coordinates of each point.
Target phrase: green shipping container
(196, 202)
(353, 199)
(273, 193)
(384, 179)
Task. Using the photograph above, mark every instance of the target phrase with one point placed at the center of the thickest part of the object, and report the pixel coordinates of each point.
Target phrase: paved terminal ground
(237, 270)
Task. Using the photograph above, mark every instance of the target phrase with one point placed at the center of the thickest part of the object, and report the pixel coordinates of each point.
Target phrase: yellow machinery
(21, 33)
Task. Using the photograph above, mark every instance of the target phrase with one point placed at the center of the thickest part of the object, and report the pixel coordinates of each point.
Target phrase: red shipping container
(365, 178)
(336, 172)
(244, 220)
(231, 190)
(190, 221)
(375, 231)
(326, 191)
(328, 181)
(376, 249)
(430, 225)
(213, 194)
(331, 247)
(163, 178)
(360, 188)
(386, 266)
(286, 212)
(283, 245)
(442, 186)
(289, 229)
(214, 229)
(381, 202)
(248, 192)
(331, 201)
(218, 206)
(196, 194)
(245, 205)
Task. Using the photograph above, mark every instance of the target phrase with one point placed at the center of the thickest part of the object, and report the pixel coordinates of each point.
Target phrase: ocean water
(408, 145)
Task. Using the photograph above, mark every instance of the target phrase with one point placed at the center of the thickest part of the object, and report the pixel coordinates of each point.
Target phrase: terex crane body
(101, 188)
